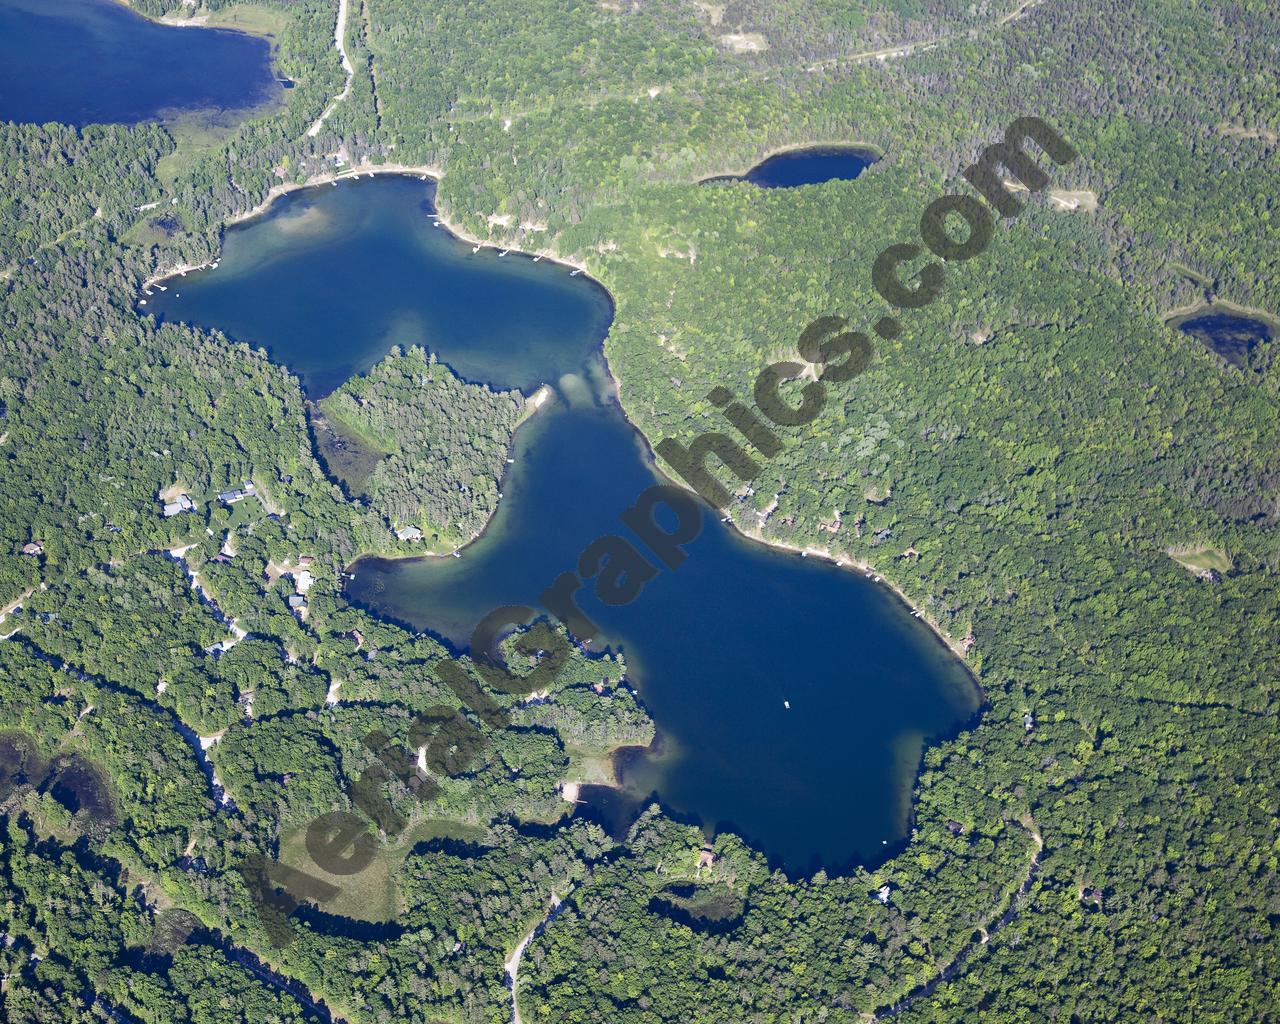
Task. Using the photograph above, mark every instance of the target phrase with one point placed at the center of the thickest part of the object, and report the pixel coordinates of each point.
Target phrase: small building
(882, 894)
(33, 548)
(706, 858)
(302, 581)
(1029, 721)
(297, 601)
(306, 561)
(231, 497)
(409, 533)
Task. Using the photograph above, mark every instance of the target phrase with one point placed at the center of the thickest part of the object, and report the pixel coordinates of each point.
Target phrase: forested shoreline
(1052, 462)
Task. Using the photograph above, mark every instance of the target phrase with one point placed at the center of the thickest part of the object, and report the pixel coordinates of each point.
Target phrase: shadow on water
(794, 698)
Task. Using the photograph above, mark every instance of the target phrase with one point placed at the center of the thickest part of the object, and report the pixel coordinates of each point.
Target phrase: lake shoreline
(436, 174)
(197, 21)
(1176, 317)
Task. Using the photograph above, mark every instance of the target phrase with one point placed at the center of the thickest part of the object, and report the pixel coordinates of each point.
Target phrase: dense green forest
(446, 444)
(1038, 437)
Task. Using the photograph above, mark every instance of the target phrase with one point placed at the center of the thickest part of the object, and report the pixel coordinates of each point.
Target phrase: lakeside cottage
(409, 533)
(33, 548)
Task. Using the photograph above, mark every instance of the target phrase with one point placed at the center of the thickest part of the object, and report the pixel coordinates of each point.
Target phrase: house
(706, 858)
(182, 503)
(306, 561)
(34, 548)
(408, 533)
(302, 581)
(882, 894)
(231, 497)
(1029, 721)
(297, 601)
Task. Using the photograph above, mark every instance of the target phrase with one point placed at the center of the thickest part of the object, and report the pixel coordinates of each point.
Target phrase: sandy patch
(743, 42)
(713, 12)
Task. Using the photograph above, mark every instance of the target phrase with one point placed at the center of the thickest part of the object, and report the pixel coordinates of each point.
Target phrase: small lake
(1225, 331)
(95, 61)
(810, 166)
(331, 277)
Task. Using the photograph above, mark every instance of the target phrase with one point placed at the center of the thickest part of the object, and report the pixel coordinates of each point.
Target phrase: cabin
(297, 602)
(409, 533)
(706, 858)
(1029, 721)
(33, 549)
(882, 894)
(302, 581)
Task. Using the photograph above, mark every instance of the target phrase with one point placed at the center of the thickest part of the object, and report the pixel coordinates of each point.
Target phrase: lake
(812, 165)
(330, 278)
(1224, 330)
(95, 61)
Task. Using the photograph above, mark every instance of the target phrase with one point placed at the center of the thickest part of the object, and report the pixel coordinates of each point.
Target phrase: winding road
(513, 961)
(339, 33)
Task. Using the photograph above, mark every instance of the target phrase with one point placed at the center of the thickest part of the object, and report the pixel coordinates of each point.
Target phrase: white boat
(575, 273)
(504, 252)
(475, 248)
(787, 704)
(142, 302)
(536, 258)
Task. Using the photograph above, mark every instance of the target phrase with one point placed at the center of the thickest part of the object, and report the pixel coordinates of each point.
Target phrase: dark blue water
(716, 646)
(337, 275)
(810, 166)
(1227, 333)
(95, 61)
